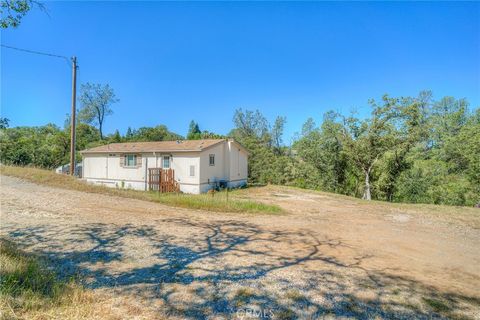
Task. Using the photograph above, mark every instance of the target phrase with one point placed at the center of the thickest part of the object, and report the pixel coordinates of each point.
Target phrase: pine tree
(194, 132)
(117, 137)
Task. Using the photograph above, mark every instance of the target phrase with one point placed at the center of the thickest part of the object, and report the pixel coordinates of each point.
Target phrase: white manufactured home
(197, 165)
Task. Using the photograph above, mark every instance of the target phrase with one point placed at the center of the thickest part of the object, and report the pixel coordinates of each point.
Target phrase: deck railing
(162, 180)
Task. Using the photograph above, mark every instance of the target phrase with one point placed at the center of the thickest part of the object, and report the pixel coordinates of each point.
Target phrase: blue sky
(172, 62)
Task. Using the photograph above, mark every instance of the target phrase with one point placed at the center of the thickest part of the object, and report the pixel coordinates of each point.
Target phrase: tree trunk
(366, 193)
(100, 129)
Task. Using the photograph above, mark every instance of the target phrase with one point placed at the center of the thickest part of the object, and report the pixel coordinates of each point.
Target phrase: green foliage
(12, 11)
(194, 133)
(96, 101)
(462, 149)
(158, 133)
(448, 116)
(129, 134)
(49, 146)
(411, 149)
(323, 149)
(4, 123)
(277, 133)
(116, 137)
(44, 146)
(266, 164)
(367, 140)
(23, 274)
(211, 135)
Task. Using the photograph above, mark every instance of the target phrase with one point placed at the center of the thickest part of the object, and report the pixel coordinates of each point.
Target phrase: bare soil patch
(330, 256)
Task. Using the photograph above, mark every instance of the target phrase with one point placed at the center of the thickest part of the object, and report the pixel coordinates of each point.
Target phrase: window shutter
(139, 160)
(122, 160)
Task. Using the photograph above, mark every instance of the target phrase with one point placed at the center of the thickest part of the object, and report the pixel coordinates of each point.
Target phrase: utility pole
(74, 97)
(72, 118)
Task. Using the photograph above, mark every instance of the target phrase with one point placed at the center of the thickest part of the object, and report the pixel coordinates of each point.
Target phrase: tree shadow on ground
(234, 269)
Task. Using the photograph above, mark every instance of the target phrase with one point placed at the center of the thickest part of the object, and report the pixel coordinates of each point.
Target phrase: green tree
(194, 132)
(86, 136)
(4, 123)
(448, 116)
(367, 140)
(322, 148)
(251, 130)
(439, 165)
(117, 137)
(158, 133)
(462, 151)
(12, 11)
(96, 101)
(277, 133)
(251, 124)
(411, 149)
(408, 131)
(129, 135)
(211, 135)
(38, 146)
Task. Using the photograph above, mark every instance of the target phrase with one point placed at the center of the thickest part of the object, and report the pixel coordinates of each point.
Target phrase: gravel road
(328, 257)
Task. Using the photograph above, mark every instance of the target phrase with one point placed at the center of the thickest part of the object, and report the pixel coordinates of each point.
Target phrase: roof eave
(132, 151)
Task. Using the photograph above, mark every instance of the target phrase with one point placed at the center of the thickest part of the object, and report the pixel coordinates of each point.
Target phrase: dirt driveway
(328, 257)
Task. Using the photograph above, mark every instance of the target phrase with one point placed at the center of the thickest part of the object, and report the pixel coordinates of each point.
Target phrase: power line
(36, 52)
(74, 98)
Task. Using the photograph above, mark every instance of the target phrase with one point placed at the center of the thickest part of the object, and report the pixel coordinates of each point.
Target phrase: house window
(192, 171)
(166, 162)
(212, 159)
(130, 160)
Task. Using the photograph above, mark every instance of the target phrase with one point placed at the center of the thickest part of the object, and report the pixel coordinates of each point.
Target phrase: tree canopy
(12, 11)
(96, 101)
(409, 149)
(194, 133)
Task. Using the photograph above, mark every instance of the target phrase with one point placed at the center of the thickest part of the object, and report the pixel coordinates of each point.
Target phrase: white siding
(115, 171)
(238, 165)
(180, 163)
(216, 172)
(95, 166)
(230, 165)
(105, 169)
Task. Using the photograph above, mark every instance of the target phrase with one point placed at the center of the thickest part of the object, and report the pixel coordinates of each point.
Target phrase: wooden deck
(162, 180)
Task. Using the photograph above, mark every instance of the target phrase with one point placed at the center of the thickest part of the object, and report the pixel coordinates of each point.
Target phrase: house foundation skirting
(140, 184)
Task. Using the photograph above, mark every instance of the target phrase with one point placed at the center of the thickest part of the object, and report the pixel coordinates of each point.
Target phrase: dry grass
(467, 215)
(243, 296)
(296, 296)
(31, 290)
(358, 201)
(28, 290)
(220, 202)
